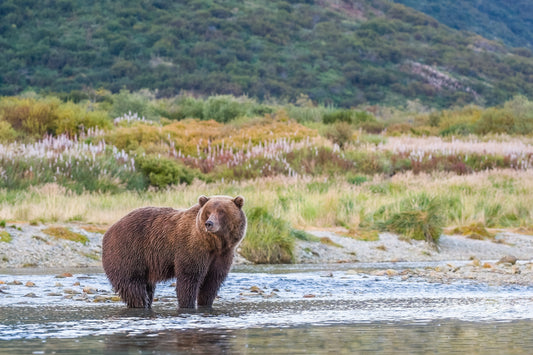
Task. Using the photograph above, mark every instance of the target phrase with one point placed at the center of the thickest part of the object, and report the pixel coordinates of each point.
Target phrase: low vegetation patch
(367, 235)
(302, 235)
(5, 237)
(93, 256)
(94, 229)
(64, 233)
(474, 231)
(328, 241)
(268, 239)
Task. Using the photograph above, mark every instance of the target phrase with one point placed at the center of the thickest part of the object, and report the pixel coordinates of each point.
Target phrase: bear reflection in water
(196, 246)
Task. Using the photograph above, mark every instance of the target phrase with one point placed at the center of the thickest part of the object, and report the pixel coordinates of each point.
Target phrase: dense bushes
(515, 117)
(35, 117)
(130, 152)
(348, 116)
(222, 108)
(162, 172)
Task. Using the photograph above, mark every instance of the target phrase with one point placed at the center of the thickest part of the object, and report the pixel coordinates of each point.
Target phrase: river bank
(506, 259)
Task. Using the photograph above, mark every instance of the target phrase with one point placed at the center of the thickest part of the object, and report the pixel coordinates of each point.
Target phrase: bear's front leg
(187, 286)
(214, 278)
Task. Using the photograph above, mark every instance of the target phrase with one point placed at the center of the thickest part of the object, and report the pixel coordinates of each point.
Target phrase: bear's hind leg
(150, 289)
(135, 294)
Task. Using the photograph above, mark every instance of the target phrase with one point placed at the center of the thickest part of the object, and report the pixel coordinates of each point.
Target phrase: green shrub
(361, 117)
(261, 110)
(306, 113)
(372, 127)
(341, 133)
(7, 133)
(188, 107)
(269, 240)
(417, 217)
(338, 116)
(522, 110)
(35, 117)
(126, 102)
(356, 179)
(495, 120)
(459, 129)
(223, 108)
(72, 119)
(435, 118)
(75, 96)
(348, 116)
(162, 172)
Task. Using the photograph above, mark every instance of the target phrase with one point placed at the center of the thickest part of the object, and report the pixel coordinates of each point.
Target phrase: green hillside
(343, 53)
(508, 21)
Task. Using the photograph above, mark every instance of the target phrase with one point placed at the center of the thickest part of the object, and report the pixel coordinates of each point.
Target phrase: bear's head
(222, 216)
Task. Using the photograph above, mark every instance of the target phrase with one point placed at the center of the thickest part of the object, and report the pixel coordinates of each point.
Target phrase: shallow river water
(319, 309)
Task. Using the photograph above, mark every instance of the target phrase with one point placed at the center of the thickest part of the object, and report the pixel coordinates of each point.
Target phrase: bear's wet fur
(196, 246)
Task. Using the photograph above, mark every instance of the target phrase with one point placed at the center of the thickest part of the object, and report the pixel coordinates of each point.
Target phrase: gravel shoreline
(509, 260)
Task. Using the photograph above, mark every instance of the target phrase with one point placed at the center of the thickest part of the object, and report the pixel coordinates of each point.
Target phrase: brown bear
(195, 246)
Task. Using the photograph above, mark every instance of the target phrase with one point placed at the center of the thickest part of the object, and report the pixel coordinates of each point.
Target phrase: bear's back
(142, 227)
(140, 222)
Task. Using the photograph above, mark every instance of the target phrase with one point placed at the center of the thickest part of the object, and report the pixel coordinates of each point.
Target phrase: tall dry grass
(496, 199)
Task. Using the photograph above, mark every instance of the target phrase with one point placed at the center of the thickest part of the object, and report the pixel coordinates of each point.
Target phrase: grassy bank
(496, 199)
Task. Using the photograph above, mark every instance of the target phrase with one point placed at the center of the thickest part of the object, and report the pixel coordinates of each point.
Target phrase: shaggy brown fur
(195, 246)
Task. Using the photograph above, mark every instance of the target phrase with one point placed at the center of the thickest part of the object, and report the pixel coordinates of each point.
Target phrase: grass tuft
(419, 217)
(269, 239)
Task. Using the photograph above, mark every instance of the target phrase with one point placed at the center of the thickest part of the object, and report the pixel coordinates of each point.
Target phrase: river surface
(316, 309)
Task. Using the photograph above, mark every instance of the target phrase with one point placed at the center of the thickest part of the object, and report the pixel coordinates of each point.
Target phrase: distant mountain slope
(509, 21)
(337, 52)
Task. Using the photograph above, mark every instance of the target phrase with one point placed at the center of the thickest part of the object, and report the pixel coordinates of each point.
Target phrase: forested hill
(337, 52)
(508, 21)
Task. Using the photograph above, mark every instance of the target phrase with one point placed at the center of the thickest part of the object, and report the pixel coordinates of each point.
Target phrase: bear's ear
(202, 200)
(239, 201)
